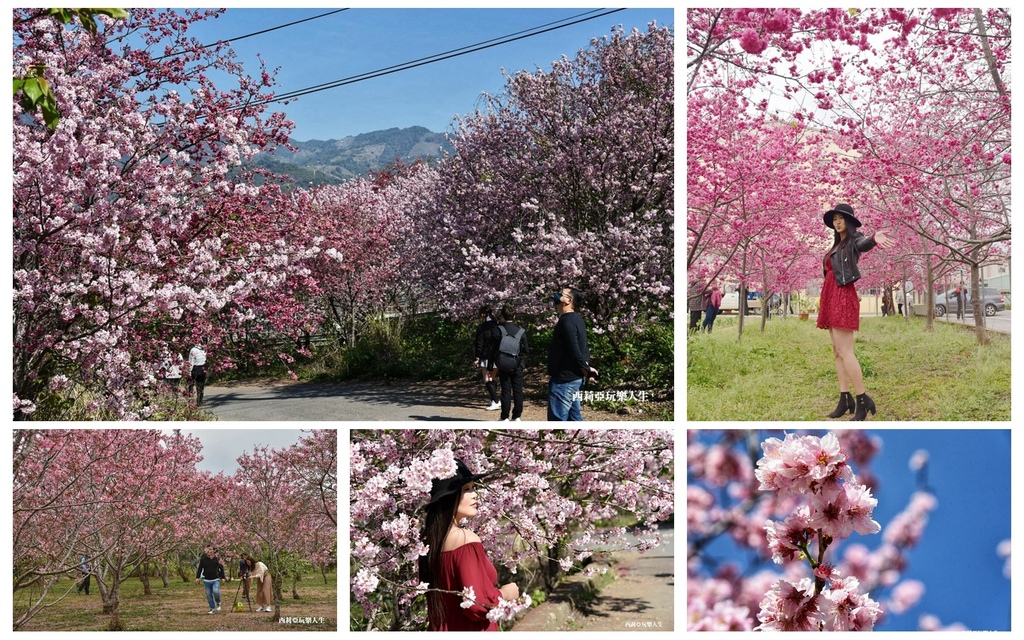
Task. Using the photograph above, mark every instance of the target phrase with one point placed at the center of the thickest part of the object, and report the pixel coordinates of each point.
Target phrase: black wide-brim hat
(846, 210)
(446, 487)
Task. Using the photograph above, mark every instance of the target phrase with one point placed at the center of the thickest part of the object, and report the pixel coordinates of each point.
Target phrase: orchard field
(141, 228)
(133, 509)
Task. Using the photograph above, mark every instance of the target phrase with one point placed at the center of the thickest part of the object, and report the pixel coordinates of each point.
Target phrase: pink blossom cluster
(818, 495)
(837, 505)
(801, 607)
(507, 610)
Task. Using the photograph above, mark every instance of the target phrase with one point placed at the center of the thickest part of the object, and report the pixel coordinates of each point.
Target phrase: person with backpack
(511, 361)
(484, 348)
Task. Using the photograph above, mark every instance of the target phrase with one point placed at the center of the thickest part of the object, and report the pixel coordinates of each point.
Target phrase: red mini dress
(840, 306)
(468, 566)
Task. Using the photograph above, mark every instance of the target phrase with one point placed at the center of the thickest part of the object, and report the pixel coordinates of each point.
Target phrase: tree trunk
(111, 598)
(163, 574)
(144, 577)
(976, 303)
(295, 585)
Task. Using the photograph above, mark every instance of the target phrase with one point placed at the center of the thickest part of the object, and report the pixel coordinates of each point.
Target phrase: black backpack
(508, 350)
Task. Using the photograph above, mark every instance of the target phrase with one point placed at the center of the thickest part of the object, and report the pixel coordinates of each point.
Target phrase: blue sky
(969, 471)
(361, 40)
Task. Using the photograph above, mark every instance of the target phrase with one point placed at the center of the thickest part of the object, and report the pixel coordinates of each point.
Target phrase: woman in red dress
(839, 311)
(456, 559)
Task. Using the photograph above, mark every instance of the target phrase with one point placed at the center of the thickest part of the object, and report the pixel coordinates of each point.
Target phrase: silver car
(991, 301)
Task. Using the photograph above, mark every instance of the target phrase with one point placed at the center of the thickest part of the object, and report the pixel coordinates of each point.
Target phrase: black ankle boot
(864, 404)
(846, 403)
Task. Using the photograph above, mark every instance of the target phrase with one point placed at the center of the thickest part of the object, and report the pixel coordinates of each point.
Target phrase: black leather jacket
(844, 262)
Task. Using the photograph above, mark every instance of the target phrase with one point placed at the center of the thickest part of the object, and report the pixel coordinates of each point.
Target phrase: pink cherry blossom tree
(130, 215)
(125, 498)
(541, 509)
(912, 105)
(565, 179)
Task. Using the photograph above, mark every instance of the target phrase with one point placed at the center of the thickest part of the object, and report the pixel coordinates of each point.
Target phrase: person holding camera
(568, 358)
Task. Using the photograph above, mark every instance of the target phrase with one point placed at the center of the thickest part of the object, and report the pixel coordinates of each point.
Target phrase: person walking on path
(696, 303)
(484, 348)
(211, 572)
(265, 590)
(839, 311)
(197, 372)
(568, 358)
(714, 303)
(86, 577)
(511, 366)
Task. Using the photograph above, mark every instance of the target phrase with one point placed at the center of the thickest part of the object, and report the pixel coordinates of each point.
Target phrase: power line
(257, 33)
(480, 46)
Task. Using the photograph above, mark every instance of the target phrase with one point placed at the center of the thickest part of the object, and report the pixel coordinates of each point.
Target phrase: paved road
(999, 322)
(283, 401)
(277, 401)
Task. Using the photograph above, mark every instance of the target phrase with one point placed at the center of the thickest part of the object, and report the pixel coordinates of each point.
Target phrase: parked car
(730, 302)
(991, 301)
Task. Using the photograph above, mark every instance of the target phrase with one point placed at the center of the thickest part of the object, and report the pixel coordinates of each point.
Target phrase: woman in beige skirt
(265, 590)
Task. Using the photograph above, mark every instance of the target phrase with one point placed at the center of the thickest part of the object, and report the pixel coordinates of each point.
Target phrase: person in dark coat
(839, 310)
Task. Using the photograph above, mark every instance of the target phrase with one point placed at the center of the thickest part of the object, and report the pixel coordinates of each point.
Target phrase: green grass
(182, 607)
(788, 372)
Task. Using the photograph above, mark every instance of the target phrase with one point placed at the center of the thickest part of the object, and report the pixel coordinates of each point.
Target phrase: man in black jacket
(568, 358)
(210, 571)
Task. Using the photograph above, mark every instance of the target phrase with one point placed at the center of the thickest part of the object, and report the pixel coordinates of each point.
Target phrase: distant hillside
(335, 161)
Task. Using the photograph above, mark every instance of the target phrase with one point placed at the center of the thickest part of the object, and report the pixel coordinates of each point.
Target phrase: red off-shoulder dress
(840, 306)
(468, 566)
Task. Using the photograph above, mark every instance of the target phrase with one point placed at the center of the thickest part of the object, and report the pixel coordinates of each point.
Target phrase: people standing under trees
(244, 567)
(568, 358)
(959, 295)
(456, 560)
(265, 588)
(211, 572)
(511, 361)
(839, 310)
(484, 349)
(696, 303)
(714, 304)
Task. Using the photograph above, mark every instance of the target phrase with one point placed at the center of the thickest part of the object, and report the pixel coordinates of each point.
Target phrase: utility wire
(258, 33)
(494, 42)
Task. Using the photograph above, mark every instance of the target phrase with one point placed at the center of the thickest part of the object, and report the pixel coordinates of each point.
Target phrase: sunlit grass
(788, 372)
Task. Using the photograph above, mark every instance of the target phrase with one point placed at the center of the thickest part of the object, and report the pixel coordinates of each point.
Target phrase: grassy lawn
(182, 607)
(788, 372)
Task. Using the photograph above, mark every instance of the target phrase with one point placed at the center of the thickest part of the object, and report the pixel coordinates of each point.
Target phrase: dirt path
(640, 598)
(277, 400)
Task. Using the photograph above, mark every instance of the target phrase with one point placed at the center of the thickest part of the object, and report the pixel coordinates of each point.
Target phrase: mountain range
(337, 161)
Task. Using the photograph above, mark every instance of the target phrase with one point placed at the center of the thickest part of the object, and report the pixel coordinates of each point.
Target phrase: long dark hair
(440, 516)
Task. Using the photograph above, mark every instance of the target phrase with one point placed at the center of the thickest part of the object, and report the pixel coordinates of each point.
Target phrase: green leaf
(32, 90)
